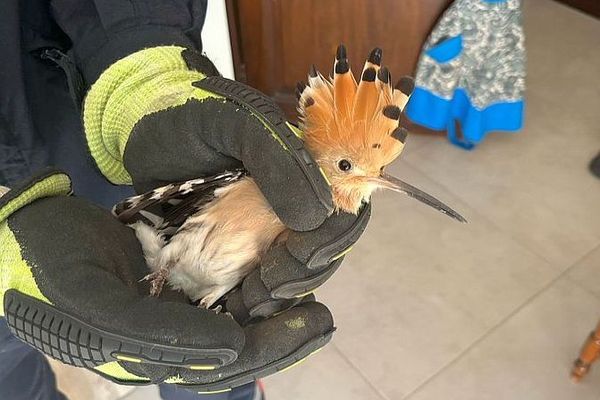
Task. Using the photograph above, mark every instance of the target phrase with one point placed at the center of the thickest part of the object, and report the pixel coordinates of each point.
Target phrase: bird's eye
(344, 165)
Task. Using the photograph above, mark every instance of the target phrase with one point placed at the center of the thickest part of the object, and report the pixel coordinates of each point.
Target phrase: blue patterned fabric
(447, 50)
(437, 113)
(471, 72)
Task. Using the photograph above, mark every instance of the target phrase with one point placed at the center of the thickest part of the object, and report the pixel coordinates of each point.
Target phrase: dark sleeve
(104, 31)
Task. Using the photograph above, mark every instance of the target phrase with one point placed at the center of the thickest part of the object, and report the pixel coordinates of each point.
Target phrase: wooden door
(276, 41)
(591, 7)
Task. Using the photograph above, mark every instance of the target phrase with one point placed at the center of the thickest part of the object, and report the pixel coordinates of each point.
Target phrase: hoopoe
(222, 226)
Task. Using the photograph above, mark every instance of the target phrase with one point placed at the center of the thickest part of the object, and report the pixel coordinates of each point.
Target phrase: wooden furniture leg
(589, 353)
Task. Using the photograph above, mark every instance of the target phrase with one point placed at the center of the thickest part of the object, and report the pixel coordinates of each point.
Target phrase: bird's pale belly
(218, 246)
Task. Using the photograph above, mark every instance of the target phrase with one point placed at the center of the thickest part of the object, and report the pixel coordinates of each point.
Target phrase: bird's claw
(206, 303)
(157, 281)
(217, 309)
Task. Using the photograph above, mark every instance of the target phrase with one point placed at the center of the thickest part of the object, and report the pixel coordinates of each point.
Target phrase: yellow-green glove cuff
(142, 83)
(15, 273)
(52, 184)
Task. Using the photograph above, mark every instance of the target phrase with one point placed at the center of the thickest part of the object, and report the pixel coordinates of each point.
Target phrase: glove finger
(271, 346)
(254, 300)
(331, 240)
(292, 269)
(87, 265)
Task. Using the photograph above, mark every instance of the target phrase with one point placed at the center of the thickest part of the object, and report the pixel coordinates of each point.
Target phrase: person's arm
(104, 31)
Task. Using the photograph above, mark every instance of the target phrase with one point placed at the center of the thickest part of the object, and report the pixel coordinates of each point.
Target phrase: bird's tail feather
(152, 242)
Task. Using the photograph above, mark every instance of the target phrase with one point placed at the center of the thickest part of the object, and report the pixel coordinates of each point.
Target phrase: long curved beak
(390, 182)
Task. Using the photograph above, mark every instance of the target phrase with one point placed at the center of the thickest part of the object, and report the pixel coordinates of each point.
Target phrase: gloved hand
(70, 286)
(72, 270)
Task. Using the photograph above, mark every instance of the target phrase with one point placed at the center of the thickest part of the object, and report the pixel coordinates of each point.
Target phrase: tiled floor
(496, 309)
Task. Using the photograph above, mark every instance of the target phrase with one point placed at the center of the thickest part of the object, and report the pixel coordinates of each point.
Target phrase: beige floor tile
(563, 49)
(542, 193)
(529, 357)
(144, 393)
(419, 287)
(587, 272)
(415, 142)
(534, 185)
(324, 376)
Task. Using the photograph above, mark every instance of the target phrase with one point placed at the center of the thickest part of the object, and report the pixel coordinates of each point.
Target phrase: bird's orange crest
(352, 129)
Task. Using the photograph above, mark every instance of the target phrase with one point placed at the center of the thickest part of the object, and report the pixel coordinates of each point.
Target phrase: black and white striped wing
(167, 207)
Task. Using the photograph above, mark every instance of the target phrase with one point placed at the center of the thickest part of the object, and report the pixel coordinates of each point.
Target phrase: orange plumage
(357, 123)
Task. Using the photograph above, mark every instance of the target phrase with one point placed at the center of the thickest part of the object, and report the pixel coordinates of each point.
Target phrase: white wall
(215, 38)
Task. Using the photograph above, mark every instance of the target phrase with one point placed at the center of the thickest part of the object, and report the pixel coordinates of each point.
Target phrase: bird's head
(353, 130)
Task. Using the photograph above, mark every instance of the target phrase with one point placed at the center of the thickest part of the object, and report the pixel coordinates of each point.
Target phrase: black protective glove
(71, 287)
(234, 126)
